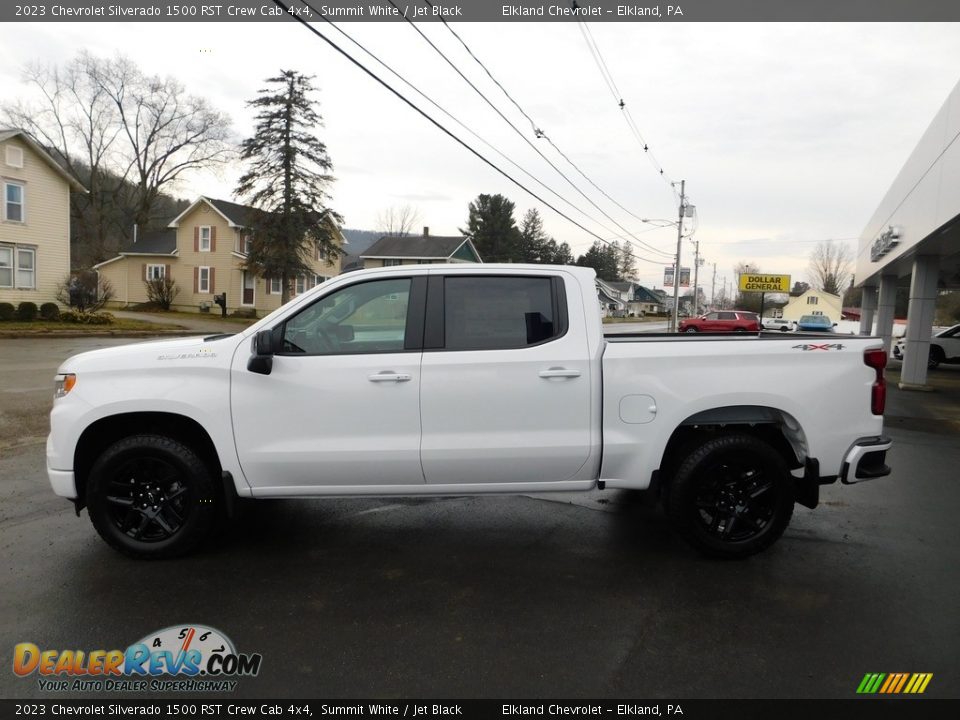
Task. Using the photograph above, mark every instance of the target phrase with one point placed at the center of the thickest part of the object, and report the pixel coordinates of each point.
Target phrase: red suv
(722, 321)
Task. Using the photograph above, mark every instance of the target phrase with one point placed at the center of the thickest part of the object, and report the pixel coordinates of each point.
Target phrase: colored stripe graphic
(894, 683)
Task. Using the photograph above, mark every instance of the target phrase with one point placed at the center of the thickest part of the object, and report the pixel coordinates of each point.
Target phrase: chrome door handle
(559, 373)
(387, 376)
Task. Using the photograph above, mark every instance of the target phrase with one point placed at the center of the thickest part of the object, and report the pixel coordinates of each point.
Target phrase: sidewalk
(935, 412)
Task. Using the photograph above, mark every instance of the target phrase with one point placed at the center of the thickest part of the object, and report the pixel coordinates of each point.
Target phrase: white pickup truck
(456, 380)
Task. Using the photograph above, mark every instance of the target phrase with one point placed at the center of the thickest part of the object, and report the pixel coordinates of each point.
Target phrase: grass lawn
(43, 327)
(244, 321)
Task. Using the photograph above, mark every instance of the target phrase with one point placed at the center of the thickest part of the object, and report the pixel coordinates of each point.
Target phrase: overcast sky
(787, 134)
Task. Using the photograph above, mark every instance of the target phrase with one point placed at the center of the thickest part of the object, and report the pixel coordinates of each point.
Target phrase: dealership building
(914, 237)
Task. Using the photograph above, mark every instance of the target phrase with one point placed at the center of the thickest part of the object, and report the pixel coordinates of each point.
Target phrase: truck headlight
(62, 384)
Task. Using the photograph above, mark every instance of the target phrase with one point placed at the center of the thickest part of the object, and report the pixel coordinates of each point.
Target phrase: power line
(464, 126)
(537, 132)
(439, 126)
(621, 103)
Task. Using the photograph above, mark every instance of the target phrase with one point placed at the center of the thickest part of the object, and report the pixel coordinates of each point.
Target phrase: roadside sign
(764, 283)
(668, 276)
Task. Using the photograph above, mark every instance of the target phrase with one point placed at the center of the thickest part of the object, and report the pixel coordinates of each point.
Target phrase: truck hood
(155, 353)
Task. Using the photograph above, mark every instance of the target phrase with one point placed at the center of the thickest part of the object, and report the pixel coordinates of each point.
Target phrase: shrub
(27, 311)
(162, 291)
(99, 318)
(7, 311)
(68, 316)
(85, 291)
(50, 311)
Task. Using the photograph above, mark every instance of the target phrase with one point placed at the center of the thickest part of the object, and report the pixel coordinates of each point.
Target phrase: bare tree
(746, 300)
(127, 136)
(830, 266)
(167, 132)
(398, 220)
(78, 123)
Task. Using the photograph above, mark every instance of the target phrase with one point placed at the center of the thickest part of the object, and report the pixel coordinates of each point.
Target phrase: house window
(203, 280)
(18, 267)
(26, 268)
(391, 263)
(275, 288)
(6, 267)
(14, 156)
(155, 272)
(247, 244)
(317, 279)
(812, 300)
(13, 202)
(205, 238)
(301, 286)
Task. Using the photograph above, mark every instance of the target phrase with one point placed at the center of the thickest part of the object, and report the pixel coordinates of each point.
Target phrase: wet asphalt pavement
(560, 597)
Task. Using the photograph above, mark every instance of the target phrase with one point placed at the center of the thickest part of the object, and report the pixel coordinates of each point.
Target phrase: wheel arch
(775, 426)
(107, 430)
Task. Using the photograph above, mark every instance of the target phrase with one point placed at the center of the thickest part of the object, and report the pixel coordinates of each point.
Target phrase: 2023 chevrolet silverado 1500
(456, 380)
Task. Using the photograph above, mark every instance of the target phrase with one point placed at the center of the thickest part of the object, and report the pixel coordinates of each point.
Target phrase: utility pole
(696, 274)
(713, 287)
(676, 267)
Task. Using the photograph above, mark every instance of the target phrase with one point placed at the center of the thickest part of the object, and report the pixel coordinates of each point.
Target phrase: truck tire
(151, 497)
(731, 497)
(936, 357)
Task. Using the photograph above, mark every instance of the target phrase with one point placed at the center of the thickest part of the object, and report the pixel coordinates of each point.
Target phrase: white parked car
(944, 347)
(780, 324)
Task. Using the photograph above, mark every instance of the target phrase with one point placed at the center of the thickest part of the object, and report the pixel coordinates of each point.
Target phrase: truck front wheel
(731, 496)
(151, 497)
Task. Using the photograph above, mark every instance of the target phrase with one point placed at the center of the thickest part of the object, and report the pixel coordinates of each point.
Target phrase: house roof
(642, 294)
(234, 213)
(152, 242)
(625, 287)
(428, 247)
(10, 133)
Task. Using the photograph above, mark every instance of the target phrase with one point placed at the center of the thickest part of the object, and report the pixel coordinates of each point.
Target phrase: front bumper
(866, 460)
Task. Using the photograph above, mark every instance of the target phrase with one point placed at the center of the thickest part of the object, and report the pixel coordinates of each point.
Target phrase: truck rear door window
(499, 313)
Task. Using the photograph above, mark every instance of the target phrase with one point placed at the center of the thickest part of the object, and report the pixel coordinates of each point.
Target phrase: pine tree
(604, 259)
(491, 227)
(287, 180)
(533, 240)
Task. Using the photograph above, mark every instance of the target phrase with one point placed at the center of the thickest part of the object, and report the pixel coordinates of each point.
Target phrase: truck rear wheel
(151, 497)
(731, 496)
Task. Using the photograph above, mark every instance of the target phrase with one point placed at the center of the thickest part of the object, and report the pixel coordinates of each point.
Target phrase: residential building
(419, 250)
(813, 302)
(34, 220)
(204, 249)
(639, 299)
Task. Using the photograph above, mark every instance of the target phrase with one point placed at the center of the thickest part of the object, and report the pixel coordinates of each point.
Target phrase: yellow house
(34, 220)
(814, 302)
(423, 250)
(203, 249)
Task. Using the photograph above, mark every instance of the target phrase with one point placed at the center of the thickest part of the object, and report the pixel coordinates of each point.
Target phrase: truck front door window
(369, 317)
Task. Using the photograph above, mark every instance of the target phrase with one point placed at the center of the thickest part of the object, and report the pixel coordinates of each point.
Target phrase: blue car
(815, 323)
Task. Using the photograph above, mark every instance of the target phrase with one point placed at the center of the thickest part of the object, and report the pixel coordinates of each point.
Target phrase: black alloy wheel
(150, 496)
(732, 496)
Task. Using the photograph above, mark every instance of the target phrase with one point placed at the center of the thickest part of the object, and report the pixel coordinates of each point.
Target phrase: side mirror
(834, 324)
(264, 348)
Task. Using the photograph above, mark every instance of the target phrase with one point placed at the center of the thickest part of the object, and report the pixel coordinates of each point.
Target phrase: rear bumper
(866, 460)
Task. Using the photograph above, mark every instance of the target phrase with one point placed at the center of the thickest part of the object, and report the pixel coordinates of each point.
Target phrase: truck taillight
(877, 359)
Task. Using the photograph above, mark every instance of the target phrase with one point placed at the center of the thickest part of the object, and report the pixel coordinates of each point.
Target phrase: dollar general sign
(764, 283)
